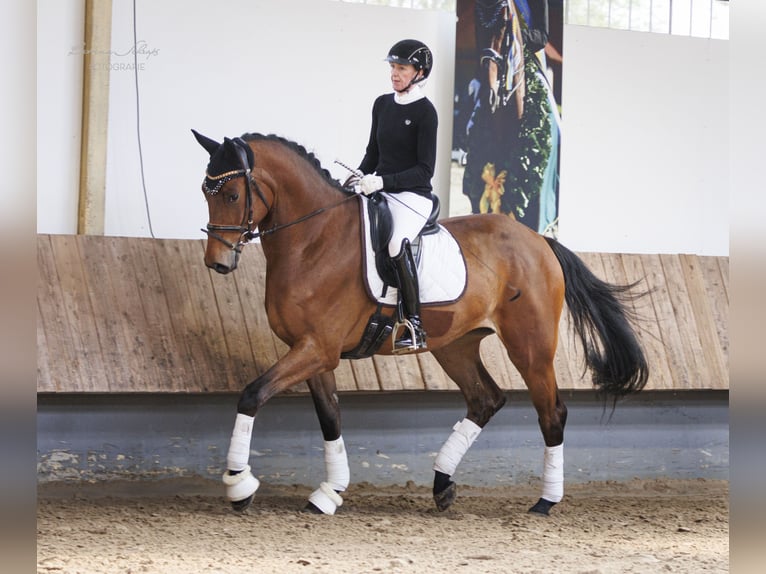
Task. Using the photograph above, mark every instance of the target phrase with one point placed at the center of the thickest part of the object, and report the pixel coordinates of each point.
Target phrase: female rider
(399, 163)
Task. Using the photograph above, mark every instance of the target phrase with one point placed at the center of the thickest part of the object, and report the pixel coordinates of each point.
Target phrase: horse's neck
(309, 215)
(310, 228)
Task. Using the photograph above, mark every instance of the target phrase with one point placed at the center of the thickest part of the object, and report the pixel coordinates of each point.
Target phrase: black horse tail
(602, 321)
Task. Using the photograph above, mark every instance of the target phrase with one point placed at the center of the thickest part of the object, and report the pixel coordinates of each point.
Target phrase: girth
(378, 329)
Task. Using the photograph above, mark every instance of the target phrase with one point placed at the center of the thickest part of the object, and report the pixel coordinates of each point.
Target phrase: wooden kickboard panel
(118, 314)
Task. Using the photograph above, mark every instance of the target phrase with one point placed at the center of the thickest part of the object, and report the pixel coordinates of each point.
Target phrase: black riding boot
(407, 278)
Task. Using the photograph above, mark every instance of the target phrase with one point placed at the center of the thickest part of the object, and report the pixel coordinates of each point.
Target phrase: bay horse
(316, 301)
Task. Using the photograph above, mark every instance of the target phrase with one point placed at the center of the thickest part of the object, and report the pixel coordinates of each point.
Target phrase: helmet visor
(393, 59)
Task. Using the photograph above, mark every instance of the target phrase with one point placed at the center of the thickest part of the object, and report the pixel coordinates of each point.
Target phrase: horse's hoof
(311, 508)
(542, 507)
(446, 497)
(242, 505)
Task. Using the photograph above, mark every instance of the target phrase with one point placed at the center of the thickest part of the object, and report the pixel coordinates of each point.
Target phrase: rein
(301, 219)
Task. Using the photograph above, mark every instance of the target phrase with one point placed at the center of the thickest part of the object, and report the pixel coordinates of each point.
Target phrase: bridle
(245, 229)
(488, 16)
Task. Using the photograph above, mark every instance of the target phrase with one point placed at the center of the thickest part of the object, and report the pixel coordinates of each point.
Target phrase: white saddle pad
(441, 267)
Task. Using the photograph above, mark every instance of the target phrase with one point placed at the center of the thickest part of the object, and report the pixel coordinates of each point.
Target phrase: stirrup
(417, 343)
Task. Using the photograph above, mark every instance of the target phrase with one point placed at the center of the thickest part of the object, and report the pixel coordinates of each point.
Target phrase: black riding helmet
(412, 52)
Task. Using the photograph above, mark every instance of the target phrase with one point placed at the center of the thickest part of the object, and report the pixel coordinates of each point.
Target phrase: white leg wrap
(553, 473)
(241, 485)
(239, 447)
(458, 443)
(326, 499)
(336, 463)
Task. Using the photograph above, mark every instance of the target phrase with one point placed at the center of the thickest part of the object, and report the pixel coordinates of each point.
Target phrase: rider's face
(402, 75)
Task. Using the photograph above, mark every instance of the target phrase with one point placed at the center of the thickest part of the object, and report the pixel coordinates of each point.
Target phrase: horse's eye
(233, 198)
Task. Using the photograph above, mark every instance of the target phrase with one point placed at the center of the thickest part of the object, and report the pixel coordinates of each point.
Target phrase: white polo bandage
(553, 473)
(463, 435)
(336, 464)
(239, 447)
(326, 499)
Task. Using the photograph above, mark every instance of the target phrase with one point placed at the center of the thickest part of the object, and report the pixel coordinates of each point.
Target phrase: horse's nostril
(221, 268)
(223, 263)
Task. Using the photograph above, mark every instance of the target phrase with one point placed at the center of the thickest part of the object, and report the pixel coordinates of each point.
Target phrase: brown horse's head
(228, 190)
(498, 37)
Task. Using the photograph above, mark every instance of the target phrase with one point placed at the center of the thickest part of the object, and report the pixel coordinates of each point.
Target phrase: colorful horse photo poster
(506, 139)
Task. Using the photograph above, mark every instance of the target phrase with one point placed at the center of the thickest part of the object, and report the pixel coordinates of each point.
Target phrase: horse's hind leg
(552, 417)
(461, 360)
(326, 499)
(534, 360)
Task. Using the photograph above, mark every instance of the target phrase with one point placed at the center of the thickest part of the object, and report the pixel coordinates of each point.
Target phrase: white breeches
(410, 212)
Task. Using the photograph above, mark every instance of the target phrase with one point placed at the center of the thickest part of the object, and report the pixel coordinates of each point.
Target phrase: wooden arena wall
(137, 315)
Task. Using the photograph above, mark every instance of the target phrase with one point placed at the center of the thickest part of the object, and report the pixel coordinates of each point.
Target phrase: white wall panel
(645, 166)
(306, 70)
(60, 33)
(645, 152)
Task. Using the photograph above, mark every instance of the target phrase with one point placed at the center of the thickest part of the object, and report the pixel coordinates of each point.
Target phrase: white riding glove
(352, 182)
(369, 184)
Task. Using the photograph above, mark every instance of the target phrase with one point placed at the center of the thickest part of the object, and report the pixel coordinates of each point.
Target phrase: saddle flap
(381, 231)
(441, 266)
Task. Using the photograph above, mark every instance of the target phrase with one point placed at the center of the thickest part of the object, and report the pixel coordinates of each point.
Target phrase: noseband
(245, 229)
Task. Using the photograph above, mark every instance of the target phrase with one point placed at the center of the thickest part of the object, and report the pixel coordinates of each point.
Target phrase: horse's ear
(210, 145)
(241, 150)
(228, 144)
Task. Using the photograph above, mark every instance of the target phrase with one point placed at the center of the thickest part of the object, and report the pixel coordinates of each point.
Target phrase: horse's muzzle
(222, 269)
(223, 263)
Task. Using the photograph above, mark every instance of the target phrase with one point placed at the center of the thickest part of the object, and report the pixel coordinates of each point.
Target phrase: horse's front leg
(461, 360)
(302, 362)
(326, 499)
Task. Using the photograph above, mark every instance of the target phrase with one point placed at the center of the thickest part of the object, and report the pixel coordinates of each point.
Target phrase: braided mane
(298, 149)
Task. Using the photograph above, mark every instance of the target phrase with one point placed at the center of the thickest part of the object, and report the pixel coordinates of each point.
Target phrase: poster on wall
(506, 139)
